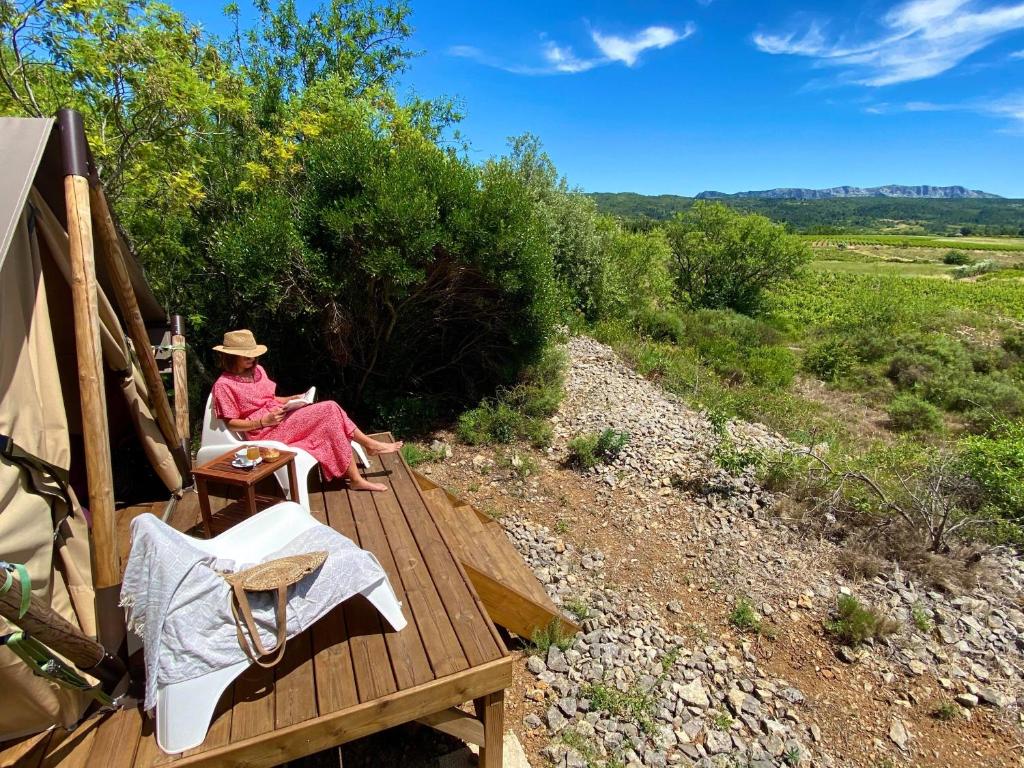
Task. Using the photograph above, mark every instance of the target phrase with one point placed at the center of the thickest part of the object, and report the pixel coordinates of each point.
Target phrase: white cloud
(1017, 55)
(1009, 107)
(561, 59)
(627, 51)
(919, 39)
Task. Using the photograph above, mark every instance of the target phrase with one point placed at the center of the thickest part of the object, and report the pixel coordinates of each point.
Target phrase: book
(300, 402)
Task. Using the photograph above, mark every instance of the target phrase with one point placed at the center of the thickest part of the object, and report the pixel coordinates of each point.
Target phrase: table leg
(204, 506)
(293, 482)
(250, 499)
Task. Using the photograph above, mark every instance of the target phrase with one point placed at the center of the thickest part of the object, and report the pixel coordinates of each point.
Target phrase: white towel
(180, 606)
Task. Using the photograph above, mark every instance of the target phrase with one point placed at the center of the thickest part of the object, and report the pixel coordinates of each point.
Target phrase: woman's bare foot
(365, 485)
(375, 447)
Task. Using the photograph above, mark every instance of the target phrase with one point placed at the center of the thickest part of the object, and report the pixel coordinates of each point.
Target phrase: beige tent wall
(32, 412)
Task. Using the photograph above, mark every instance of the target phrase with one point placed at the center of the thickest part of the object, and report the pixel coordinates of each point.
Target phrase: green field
(920, 241)
(877, 267)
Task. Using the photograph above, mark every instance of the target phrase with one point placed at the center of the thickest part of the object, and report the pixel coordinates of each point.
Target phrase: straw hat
(241, 343)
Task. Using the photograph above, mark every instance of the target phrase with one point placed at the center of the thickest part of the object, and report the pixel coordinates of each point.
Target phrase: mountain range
(890, 190)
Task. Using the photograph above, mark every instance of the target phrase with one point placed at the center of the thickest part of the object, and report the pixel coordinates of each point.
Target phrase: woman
(245, 398)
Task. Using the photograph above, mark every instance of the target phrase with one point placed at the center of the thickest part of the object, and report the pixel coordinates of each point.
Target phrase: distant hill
(890, 190)
(992, 216)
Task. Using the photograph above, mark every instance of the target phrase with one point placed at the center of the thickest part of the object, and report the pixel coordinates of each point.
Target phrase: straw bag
(273, 575)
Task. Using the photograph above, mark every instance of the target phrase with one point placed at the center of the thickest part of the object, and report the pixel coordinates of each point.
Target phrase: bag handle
(254, 649)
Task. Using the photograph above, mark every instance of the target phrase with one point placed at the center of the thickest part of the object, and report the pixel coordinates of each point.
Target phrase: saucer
(242, 463)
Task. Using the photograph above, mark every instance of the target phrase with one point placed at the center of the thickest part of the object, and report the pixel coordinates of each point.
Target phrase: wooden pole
(105, 566)
(54, 631)
(106, 571)
(180, 373)
(124, 294)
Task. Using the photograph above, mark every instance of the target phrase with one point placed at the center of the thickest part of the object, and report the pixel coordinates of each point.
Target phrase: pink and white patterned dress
(323, 429)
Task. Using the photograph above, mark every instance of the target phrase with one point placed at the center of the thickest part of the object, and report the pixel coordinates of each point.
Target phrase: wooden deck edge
(515, 611)
(506, 604)
(320, 733)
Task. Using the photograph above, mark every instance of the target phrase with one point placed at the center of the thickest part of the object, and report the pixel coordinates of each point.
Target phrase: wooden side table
(220, 470)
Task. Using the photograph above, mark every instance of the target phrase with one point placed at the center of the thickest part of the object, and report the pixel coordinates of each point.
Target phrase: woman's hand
(274, 417)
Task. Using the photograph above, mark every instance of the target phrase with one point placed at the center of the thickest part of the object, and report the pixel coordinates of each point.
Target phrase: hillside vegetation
(975, 217)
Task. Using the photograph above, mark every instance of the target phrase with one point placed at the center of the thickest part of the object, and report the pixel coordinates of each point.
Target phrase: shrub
(829, 360)
(490, 422)
(975, 269)
(957, 258)
(587, 451)
(1013, 342)
(854, 624)
(744, 617)
(909, 413)
(660, 325)
(996, 463)
(772, 367)
(550, 635)
(722, 258)
(732, 459)
(415, 455)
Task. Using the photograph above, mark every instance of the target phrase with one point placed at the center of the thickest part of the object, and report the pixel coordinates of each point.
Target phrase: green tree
(725, 259)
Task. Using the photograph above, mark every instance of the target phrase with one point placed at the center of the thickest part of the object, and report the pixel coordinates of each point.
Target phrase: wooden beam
(116, 269)
(491, 710)
(180, 373)
(457, 723)
(319, 733)
(105, 568)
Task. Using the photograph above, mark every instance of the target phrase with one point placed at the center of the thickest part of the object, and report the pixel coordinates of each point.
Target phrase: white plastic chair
(218, 439)
(184, 710)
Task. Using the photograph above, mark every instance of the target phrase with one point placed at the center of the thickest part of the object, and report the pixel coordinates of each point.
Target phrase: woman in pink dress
(246, 399)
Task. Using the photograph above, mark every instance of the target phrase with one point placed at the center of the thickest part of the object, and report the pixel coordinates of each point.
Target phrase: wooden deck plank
(478, 641)
(370, 659)
(355, 722)
(332, 660)
(117, 739)
(439, 639)
(219, 732)
(254, 704)
(295, 697)
(27, 752)
(148, 753)
(408, 657)
(73, 751)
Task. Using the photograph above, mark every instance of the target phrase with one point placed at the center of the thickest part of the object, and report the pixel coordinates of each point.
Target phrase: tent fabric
(22, 142)
(32, 413)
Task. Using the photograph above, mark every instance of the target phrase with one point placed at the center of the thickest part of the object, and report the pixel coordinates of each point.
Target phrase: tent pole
(180, 373)
(106, 571)
(124, 294)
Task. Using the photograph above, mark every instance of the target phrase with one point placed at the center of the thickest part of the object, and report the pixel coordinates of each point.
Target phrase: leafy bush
(830, 359)
(854, 624)
(772, 367)
(975, 269)
(957, 258)
(733, 460)
(909, 413)
(996, 463)
(490, 422)
(587, 451)
(724, 259)
(744, 617)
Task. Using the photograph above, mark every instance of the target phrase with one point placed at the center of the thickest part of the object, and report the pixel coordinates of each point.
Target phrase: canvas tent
(77, 376)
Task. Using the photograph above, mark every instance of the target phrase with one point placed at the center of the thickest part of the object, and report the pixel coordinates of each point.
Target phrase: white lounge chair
(218, 439)
(184, 710)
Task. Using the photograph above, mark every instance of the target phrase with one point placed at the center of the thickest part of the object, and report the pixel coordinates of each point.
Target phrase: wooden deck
(344, 678)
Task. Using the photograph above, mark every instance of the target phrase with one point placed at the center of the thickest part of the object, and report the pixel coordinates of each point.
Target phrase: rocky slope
(659, 547)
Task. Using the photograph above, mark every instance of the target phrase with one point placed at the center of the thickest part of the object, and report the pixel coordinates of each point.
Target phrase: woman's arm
(270, 419)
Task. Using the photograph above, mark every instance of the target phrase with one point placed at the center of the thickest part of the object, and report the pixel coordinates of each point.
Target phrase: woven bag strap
(255, 651)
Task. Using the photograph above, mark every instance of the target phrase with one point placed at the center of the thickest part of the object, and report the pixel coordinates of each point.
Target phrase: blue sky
(678, 97)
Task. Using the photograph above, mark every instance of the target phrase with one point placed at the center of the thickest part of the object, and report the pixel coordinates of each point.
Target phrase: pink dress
(323, 429)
